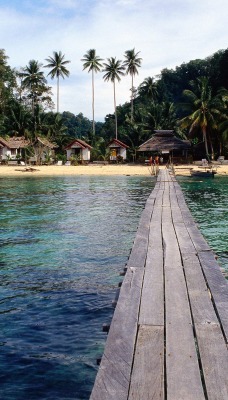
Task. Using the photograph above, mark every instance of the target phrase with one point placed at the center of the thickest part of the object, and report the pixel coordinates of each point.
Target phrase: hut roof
(14, 142)
(78, 143)
(164, 140)
(45, 142)
(117, 143)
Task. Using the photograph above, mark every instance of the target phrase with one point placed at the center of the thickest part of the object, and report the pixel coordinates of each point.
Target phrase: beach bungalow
(44, 151)
(12, 148)
(118, 150)
(79, 149)
(165, 144)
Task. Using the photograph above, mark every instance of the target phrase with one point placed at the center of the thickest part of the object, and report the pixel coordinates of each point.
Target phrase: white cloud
(166, 33)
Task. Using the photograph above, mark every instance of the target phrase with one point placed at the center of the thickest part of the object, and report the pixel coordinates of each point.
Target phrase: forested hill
(191, 99)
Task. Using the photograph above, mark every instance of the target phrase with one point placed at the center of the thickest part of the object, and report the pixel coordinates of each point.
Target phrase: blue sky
(166, 32)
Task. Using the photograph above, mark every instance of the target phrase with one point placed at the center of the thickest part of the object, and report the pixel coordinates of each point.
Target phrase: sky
(167, 33)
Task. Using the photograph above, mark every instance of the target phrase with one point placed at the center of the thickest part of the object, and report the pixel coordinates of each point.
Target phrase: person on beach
(157, 160)
(150, 160)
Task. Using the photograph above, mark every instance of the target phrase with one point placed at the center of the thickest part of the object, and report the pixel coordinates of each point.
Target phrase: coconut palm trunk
(114, 92)
(113, 71)
(205, 142)
(58, 94)
(93, 63)
(93, 101)
(132, 63)
(132, 98)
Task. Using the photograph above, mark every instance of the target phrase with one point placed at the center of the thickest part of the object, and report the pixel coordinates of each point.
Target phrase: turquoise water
(63, 242)
(208, 202)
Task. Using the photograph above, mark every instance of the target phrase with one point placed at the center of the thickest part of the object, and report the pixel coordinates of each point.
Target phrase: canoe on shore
(203, 174)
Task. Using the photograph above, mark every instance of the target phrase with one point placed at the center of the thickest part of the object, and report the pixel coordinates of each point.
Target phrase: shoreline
(106, 170)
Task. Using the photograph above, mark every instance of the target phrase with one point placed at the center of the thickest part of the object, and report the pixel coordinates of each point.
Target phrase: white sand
(111, 169)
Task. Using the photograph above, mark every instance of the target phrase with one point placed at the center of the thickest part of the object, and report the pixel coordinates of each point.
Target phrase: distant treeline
(191, 99)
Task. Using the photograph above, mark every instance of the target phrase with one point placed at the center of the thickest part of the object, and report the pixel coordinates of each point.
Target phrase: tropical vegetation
(191, 99)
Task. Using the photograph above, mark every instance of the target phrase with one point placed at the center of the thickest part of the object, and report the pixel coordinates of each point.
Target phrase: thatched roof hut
(14, 142)
(12, 147)
(164, 141)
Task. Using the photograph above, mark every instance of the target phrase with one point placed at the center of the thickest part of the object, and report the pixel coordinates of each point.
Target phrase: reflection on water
(63, 242)
(208, 200)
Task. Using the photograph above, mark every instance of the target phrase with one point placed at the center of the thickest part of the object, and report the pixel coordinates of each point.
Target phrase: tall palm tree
(204, 110)
(113, 71)
(33, 79)
(92, 62)
(132, 63)
(57, 65)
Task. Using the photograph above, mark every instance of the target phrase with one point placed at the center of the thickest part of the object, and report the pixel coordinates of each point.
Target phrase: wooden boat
(208, 173)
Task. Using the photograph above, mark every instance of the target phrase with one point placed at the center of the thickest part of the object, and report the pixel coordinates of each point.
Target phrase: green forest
(191, 99)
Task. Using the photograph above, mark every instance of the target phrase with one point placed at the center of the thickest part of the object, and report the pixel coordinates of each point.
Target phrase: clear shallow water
(208, 202)
(63, 242)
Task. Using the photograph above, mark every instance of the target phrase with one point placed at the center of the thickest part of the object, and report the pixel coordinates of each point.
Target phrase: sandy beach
(91, 169)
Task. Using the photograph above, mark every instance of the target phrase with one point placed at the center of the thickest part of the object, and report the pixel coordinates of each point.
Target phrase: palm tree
(132, 63)
(33, 79)
(204, 110)
(148, 88)
(57, 65)
(113, 71)
(93, 63)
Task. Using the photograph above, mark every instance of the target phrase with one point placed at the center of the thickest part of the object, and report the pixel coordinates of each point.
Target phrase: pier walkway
(168, 336)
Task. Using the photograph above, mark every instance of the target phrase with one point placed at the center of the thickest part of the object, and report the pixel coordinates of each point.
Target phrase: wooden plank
(218, 287)
(214, 359)
(113, 377)
(184, 239)
(197, 238)
(182, 368)
(144, 222)
(152, 301)
(147, 380)
(138, 253)
(199, 296)
(201, 305)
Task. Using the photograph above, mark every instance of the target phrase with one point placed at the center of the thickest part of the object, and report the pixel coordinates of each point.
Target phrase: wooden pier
(168, 336)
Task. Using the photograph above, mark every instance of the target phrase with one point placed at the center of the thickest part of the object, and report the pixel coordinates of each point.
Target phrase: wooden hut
(44, 151)
(78, 148)
(12, 148)
(118, 150)
(165, 144)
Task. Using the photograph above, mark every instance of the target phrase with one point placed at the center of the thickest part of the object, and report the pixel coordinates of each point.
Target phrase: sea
(63, 243)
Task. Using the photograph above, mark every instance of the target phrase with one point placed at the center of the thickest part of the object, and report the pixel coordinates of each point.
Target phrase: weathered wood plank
(182, 368)
(214, 359)
(147, 380)
(197, 238)
(138, 254)
(113, 377)
(218, 287)
(152, 302)
(184, 239)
